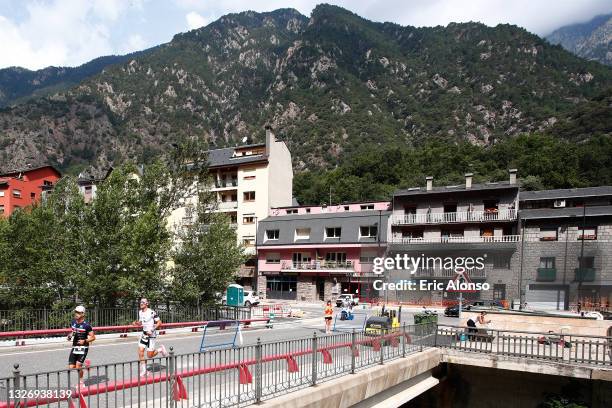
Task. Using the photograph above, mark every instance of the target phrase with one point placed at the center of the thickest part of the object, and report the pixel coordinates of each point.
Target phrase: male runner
(150, 322)
(82, 336)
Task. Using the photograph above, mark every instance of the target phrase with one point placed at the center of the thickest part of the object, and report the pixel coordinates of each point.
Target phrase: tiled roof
(565, 193)
(225, 156)
(460, 188)
(567, 212)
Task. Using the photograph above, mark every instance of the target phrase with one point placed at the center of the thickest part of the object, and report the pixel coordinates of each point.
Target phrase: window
(547, 263)
(292, 211)
(248, 241)
(249, 196)
(1, 193)
(47, 183)
(17, 193)
(248, 178)
(88, 189)
(272, 234)
(412, 234)
(367, 257)
(308, 211)
(333, 232)
(367, 207)
(410, 210)
(248, 219)
(587, 233)
(454, 233)
(346, 208)
(32, 196)
(368, 231)
(588, 262)
(273, 258)
(302, 233)
(335, 257)
(1, 209)
(548, 234)
(501, 261)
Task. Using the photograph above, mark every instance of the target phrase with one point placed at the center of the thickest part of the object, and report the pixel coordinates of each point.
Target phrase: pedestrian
(329, 312)
(481, 320)
(150, 323)
(82, 336)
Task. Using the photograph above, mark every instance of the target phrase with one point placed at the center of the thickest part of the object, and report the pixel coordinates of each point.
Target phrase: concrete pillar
(306, 289)
(262, 281)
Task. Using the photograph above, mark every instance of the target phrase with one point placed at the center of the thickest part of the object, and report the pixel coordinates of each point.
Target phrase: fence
(219, 378)
(47, 319)
(559, 347)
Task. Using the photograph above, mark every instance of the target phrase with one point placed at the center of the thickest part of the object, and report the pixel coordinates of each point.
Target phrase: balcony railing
(449, 273)
(226, 183)
(584, 274)
(456, 240)
(227, 205)
(455, 217)
(318, 265)
(547, 274)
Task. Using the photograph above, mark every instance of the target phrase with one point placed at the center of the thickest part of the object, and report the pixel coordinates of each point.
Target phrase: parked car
(453, 311)
(354, 300)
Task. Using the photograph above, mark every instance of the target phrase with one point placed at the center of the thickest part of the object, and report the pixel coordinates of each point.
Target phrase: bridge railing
(552, 346)
(48, 319)
(219, 378)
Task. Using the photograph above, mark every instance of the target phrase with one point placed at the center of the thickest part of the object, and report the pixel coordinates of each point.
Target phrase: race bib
(79, 350)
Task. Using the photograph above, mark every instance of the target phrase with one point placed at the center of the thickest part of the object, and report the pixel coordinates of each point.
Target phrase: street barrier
(109, 329)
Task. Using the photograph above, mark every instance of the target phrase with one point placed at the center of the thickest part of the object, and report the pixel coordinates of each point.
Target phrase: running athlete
(82, 336)
(150, 322)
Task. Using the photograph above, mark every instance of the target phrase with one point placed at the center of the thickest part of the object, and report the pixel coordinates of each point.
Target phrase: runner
(329, 311)
(150, 322)
(82, 336)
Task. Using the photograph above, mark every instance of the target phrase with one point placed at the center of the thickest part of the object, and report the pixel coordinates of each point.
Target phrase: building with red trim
(21, 188)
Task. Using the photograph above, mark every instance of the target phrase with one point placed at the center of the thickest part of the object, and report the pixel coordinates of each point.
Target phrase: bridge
(349, 368)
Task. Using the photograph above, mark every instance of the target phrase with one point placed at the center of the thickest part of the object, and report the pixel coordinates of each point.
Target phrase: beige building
(248, 180)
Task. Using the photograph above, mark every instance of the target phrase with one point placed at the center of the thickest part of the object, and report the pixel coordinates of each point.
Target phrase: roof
(93, 174)
(29, 169)
(349, 222)
(565, 193)
(224, 157)
(460, 188)
(567, 212)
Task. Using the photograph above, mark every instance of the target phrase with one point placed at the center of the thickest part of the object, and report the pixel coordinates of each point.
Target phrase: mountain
(19, 84)
(589, 40)
(328, 85)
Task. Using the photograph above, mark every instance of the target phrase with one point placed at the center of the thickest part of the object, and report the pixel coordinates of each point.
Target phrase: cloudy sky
(38, 33)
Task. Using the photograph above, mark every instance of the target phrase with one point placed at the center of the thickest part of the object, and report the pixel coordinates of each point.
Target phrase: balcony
(227, 205)
(454, 217)
(457, 240)
(546, 274)
(225, 184)
(584, 274)
(449, 273)
(316, 266)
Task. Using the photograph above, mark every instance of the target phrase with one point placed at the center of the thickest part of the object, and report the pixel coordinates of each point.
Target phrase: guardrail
(220, 378)
(46, 319)
(559, 347)
(111, 329)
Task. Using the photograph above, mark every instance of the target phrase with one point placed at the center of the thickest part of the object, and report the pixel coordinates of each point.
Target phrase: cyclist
(150, 322)
(82, 336)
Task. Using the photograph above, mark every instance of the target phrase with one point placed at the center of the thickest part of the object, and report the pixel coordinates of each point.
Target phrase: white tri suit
(148, 318)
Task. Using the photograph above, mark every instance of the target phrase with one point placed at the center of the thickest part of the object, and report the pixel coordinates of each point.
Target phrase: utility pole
(581, 263)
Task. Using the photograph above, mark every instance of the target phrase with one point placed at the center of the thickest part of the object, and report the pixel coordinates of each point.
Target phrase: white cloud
(135, 42)
(195, 20)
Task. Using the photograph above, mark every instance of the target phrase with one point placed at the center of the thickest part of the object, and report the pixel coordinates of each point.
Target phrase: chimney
(429, 180)
(512, 175)
(269, 138)
(468, 180)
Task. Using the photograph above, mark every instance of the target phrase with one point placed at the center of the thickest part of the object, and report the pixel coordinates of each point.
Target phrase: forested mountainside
(332, 85)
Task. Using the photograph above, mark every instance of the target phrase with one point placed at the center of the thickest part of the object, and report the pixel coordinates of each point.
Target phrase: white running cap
(79, 309)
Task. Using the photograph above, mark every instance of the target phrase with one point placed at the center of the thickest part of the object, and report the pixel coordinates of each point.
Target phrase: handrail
(125, 328)
(528, 332)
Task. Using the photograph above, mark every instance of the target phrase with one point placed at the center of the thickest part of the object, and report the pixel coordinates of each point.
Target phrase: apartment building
(88, 181)
(248, 180)
(466, 220)
(567, 248)
(21, 188)
(315, 253)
